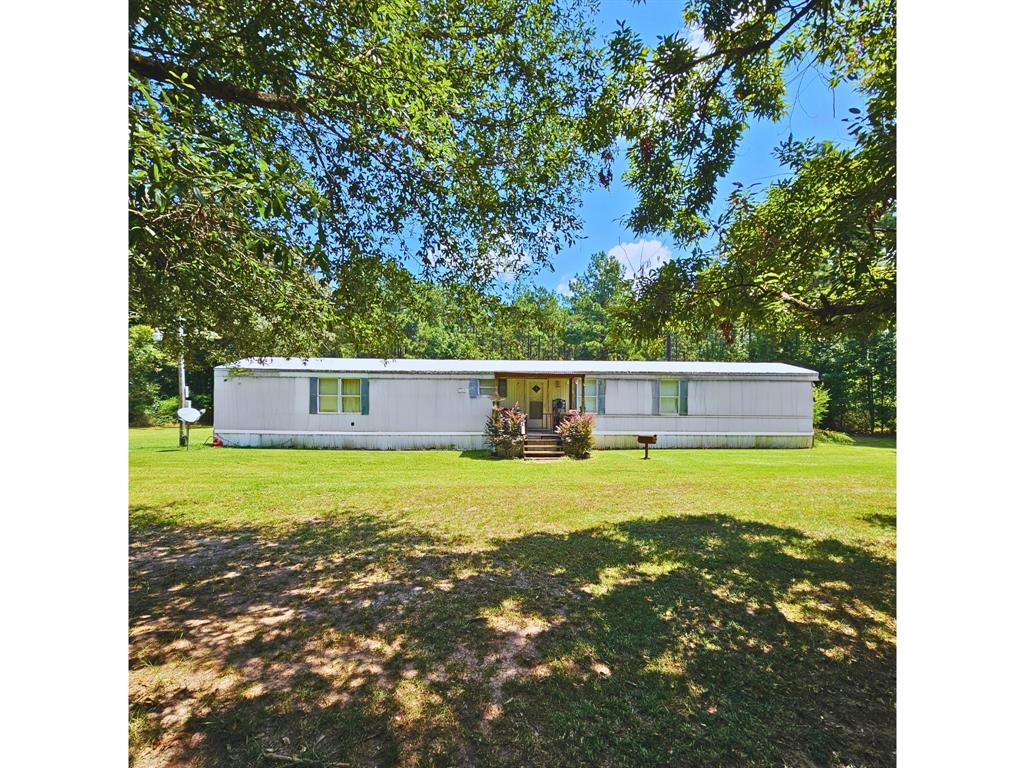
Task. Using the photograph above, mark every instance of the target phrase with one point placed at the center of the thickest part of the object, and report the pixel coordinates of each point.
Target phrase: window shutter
(600, 396)
(683, 405)
(656, 397)
(314, 392)
(474, 387)
(364, 396)
(503, 388)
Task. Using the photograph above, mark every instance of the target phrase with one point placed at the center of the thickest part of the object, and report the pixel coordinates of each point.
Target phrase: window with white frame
(488, 387)
(590, 396)
(668, 400)
(339, 396)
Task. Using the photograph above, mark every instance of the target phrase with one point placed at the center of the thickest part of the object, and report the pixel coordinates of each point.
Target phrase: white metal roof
(544, 367)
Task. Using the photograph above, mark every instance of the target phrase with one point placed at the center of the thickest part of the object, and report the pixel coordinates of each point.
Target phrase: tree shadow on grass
(696, 640)
(869, 441)
(482, 454)
(880, 519)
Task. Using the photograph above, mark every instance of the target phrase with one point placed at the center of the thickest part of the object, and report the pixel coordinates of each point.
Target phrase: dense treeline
(592, 322)
(153, 379)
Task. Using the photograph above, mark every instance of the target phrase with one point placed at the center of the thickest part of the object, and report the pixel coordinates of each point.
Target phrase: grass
(728, 607)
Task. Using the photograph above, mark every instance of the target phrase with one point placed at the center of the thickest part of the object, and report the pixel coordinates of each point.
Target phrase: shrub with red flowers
(504, 432)
(577, 431)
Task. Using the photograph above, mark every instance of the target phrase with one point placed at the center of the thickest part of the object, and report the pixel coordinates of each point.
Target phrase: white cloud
(739, 19)
(642, 256)
(509, 268)
(563, 286)
(509, 262)
(648, 96)
(695, 34)
(695, 37)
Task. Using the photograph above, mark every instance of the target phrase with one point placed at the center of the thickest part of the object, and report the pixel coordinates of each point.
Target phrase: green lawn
(728, 607)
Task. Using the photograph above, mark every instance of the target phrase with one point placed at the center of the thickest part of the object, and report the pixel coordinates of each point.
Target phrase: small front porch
(544, 398)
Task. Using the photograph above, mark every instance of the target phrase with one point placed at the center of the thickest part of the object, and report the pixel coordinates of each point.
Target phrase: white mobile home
(404, 404)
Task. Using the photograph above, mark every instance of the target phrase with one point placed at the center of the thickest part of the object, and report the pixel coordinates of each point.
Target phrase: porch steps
(542, 446)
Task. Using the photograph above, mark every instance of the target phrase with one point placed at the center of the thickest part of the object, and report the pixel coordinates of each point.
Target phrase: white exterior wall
(405, 412)
(409, 411)
(720, 413)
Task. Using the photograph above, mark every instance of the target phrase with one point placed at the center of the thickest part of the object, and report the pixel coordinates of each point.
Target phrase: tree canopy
(815, 250)
(350, 179)
(287, 157)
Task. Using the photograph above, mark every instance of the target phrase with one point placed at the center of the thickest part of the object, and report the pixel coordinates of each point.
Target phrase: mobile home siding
(256, 403)
(277, 407)
(716, 410)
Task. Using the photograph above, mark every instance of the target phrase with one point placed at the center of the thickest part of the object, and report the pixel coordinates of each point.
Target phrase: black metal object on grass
(647, 441)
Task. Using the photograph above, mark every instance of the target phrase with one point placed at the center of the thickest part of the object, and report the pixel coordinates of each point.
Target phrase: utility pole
(182, 388)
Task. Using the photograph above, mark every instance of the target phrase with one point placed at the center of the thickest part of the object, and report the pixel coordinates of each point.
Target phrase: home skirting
(466, 441)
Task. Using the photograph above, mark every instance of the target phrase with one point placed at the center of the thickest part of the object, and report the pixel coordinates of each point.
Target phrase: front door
(535, 390)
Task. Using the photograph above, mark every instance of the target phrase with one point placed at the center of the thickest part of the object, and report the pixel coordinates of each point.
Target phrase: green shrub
(166, 411)
(504, 432)
(857, 422)
(139, 416)
(821, 398)
(204, 403)
(146, 363)
(831, 436)
(577, 431)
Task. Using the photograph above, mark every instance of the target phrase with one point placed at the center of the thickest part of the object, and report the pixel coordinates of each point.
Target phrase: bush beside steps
(577, 432)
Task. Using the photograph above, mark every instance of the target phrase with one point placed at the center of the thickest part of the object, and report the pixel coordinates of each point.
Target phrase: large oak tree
(814, 251)
(290, 159)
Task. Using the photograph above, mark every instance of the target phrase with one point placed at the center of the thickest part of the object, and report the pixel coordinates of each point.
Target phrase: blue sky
(817, 113)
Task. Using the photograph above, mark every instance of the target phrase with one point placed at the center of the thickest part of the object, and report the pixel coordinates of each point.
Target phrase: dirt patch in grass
(706, 641)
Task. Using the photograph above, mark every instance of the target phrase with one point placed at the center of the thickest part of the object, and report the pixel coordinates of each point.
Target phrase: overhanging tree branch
(222, 90)
(829, 311)
(760, 45)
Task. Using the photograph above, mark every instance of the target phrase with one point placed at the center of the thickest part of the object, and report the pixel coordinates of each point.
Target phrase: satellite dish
(189, 415)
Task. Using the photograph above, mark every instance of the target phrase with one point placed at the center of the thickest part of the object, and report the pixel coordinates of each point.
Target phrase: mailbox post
(647, 441)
